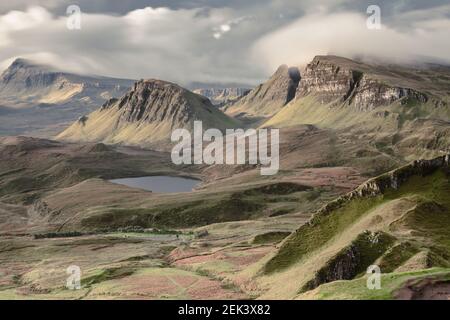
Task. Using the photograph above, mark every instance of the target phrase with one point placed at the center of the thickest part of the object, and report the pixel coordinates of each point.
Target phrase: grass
(267, 200)
(270, 237)
(107, 274)
(190, 214)
(323, 227)
(353, 259)
(357, 289)
(319, 231)
(396, 256)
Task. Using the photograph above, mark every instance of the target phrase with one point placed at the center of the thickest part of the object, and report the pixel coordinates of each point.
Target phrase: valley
(363, 179)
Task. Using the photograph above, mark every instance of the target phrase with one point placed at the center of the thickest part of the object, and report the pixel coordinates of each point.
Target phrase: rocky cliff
(397, 221)
(268, 98)
(393, 179)
(147, 114)
(338, 80)
(402, 110)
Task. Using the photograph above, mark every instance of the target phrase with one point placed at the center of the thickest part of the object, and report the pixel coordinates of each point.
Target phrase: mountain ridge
(25, 83)
(269, 97)
(147, 114)
(397, 221)
(39, 100)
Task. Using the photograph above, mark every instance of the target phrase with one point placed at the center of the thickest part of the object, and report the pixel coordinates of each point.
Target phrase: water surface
(160, 184)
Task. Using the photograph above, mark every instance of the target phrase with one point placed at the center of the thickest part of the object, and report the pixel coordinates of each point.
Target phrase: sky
(217, 41)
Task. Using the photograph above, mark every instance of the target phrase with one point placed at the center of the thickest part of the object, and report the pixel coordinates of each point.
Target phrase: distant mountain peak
(21, 63)
(26, 83)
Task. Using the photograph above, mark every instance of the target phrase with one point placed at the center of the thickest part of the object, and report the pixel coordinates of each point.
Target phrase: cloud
(217, 41)
(346, 34)
(176, 45)
(226, 27)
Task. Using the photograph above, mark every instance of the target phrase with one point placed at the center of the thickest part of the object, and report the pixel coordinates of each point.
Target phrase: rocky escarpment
(147, 113)
(155, 100)
(352, 260)
(393, 179)
(268, 98)
(352, 212)
(339, 80)
(370, 93)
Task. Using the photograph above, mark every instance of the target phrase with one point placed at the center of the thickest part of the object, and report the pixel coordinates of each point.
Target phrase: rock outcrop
(393, 179)
(339, 80)
(353, 259)
(146, 114)
(157, 101)
(268, 98)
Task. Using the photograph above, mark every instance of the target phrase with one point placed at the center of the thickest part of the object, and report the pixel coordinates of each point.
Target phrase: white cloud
(243, 45)
(175, 45)
(225, 28)
(346, 34)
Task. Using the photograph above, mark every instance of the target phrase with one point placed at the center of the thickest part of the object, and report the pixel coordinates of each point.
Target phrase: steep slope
(398, 221)
(268, 98)
(39, 100)
(401, 110)
(147, 114)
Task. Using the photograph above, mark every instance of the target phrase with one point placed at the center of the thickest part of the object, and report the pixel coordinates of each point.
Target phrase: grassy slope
(107, 126)
(417, 213)
(411, 130)
(357, 289)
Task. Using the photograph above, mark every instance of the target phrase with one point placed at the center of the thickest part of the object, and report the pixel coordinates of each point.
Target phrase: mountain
(147, 114)
(222, 96)
(25, 84)
(268, 98)
(402, 110)
(398, 221)
(39, 100)
(334, 81)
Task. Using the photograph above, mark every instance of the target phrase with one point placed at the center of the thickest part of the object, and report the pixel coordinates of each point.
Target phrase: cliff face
(155, 100)
(333, 79)
(353, 259)
(393, 179)
(397, 221)
(146, 114)
(269, 97)
(327, 80)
